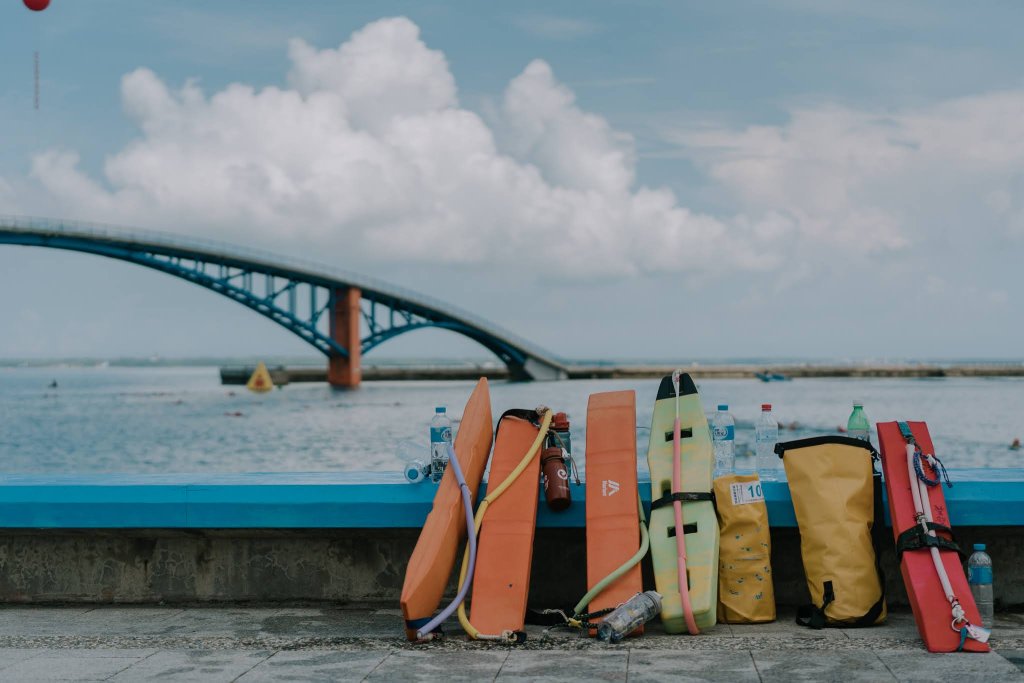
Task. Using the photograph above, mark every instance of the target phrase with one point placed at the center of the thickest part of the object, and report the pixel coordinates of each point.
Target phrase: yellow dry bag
(837, 498)
(745, 591)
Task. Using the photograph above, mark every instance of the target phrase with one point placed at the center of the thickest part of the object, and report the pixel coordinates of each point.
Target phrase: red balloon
(37, 5)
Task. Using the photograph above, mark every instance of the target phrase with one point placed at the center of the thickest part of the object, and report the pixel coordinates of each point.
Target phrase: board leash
(677, 507)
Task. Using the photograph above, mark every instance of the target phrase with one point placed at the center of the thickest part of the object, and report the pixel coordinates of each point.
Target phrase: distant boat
(53, 384)
(771, 377)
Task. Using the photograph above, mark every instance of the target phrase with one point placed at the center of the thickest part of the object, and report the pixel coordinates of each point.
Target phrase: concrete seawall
(370, 373)
(347, 566)
(346, 537)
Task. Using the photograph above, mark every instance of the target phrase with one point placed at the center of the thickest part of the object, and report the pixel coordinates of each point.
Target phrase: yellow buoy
(260, 380)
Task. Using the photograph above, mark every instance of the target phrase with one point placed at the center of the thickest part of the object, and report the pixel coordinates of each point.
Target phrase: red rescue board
(501, 580)
(613, 531)
(931, 609)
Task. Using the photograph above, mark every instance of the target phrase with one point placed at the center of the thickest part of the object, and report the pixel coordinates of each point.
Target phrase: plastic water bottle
(766, 435)
(858, 426)
(636, 611)
(723, 434)
(415, 455)
(416, 471)
(440, 437)
(979, 576)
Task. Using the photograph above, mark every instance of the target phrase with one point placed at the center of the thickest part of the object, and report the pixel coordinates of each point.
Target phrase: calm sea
(181, 419)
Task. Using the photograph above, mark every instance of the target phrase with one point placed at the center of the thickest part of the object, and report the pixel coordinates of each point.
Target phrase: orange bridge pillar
(345, 372)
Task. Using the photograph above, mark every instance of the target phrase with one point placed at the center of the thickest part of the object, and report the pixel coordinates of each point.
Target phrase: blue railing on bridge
(980, 497)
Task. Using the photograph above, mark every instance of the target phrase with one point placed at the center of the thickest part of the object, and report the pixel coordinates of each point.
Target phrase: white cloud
(872, 181)
(369, 155)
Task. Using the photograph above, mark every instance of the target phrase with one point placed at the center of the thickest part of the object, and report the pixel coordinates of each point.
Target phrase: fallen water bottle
(416, 471)
(415, 459)
(628, 616)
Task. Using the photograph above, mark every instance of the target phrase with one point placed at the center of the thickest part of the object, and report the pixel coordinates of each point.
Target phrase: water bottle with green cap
(858, 426)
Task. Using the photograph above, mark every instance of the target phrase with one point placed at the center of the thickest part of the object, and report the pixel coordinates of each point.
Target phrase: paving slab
(193, 665)
(39, 620)
(219, 621)
(570, 667)
(820, 665)
(315, 666)
(414, 666)
(344, 623)
(327, 643)
(953, 666)
(119, 620)
(709, 667)
(1015, 657)
(12, 656)
(70, 665)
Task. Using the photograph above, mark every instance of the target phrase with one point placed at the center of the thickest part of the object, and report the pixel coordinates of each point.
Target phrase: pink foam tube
(677, 506)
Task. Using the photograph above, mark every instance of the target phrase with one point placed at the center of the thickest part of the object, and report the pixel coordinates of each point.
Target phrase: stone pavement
(231, 643)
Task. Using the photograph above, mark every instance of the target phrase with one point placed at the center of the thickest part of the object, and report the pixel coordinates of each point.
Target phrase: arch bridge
(361, 313)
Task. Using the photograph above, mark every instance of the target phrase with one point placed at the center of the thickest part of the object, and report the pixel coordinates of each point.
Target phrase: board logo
(609, 487)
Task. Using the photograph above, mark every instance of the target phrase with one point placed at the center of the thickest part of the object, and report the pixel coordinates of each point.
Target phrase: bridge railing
(217, 248)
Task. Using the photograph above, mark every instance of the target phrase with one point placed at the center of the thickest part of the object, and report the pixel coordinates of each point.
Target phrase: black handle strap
(915, 538)
(683, 497)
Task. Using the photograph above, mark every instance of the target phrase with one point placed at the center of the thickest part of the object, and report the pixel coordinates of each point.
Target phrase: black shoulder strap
(683, 497)
(915, 538)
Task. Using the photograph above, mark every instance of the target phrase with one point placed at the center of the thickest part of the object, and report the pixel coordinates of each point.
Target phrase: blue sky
(823, 180)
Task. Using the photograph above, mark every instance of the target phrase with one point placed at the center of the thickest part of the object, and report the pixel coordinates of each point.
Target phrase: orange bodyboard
(501, 580)
(430, 565)
(613, 531)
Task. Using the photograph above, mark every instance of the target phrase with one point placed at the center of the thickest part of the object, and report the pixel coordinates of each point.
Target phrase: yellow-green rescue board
(699, 517)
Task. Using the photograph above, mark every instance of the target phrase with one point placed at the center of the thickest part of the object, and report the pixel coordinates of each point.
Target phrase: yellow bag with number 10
(745, 591)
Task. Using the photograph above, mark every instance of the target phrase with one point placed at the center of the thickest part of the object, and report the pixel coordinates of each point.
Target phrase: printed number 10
(754, 491)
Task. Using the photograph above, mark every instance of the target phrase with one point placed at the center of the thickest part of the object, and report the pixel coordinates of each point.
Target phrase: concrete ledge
(347, 566)
(347, 538)
(983, 497)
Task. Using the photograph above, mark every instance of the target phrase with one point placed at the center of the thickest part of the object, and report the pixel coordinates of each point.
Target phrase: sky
(615, 180)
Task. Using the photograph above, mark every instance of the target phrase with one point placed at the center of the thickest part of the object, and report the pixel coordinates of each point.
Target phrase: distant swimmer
(53, 384)
(1015, 446)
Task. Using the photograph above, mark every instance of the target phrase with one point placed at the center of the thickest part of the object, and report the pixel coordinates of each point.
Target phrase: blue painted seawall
(979, 497)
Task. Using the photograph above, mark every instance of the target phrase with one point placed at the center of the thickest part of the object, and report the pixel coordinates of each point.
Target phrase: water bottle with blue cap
(979, 576)
(440, 437)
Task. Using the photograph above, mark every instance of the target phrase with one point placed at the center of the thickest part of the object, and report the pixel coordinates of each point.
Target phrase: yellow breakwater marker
(260, 380)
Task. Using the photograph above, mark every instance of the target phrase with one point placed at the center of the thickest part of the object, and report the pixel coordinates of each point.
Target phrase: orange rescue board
(501, 580)
(430, 565)
(928, 600)
(613, 531)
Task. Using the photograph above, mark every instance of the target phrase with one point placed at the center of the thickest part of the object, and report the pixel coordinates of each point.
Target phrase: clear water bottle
(766, 435)
(440, 437)
(415, 455)
(635, 612)
(723, 435)
(979, 576)
(416, 471)
(858, 426)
